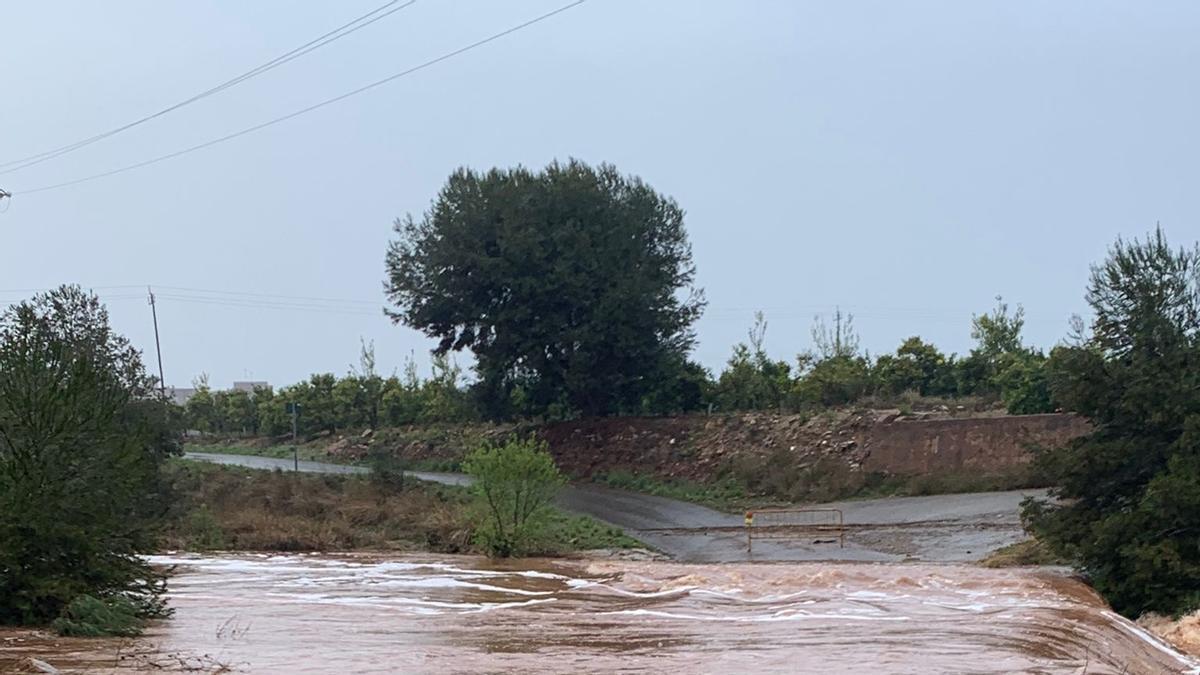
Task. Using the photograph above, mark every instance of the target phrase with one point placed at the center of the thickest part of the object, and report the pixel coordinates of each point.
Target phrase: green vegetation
(1129, 518)
(82, 440)
(999, 371)
(726, 494)
(513, 485)
(1030, 552)
(572, 287)
(775, 481)
(837, 373)
(360, 399)
(832, 480)
(566, 533)
(87, 616)
(533, 297)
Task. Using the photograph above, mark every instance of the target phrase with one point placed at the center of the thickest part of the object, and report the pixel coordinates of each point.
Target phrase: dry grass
(228, 508)
(1183, 633)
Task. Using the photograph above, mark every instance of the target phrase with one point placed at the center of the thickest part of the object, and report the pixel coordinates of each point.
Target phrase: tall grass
(231, 508)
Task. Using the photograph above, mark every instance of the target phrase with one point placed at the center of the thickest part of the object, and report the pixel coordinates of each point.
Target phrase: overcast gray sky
(907, 161)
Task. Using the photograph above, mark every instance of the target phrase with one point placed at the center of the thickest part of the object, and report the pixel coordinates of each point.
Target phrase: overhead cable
(311, 108)
(310, 46)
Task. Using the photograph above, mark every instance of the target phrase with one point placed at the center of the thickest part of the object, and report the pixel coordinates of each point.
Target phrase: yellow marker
(749, 518)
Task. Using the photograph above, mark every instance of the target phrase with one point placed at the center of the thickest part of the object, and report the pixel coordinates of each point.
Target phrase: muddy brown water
(445, 614)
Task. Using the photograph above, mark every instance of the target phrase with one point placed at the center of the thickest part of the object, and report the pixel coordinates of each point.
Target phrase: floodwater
(449, 614)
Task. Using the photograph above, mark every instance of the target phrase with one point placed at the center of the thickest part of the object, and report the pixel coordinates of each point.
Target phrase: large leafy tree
(1129, 513)
(573, 286)
(82, 437)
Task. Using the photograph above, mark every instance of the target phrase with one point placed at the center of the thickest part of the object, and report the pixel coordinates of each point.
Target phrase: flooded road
(444, 614)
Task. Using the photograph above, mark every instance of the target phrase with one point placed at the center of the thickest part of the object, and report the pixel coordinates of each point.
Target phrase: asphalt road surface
(940, 528)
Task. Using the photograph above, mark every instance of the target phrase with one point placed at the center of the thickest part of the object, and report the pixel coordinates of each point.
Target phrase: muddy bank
(423, 614)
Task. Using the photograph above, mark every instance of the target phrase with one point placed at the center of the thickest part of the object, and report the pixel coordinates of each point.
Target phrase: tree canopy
(82, 437)
(1130, 509)
(572, 286)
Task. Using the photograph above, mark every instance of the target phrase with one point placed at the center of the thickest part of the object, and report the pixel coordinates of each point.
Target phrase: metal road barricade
(793, 524)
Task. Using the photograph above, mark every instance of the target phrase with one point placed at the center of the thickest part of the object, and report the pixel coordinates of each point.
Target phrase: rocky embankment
(703, 447)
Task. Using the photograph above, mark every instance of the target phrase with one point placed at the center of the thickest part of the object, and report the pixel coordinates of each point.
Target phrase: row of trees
(361, 399)
(835, 373)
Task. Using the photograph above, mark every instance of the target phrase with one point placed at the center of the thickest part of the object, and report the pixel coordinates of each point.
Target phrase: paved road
(942, 528)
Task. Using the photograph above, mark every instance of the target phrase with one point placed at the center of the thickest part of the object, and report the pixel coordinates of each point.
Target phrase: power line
(326, 309)
(333, 35)
(311, 108)
(270, 295)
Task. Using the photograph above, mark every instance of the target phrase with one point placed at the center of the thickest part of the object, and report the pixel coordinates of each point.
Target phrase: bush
(387, 470)
(89, 616)
(82, 441)
(514, 483)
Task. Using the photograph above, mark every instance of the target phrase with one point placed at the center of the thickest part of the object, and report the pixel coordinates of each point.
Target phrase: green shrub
(387, 470)
(83, 436)
(89, 616)
(514, 483)
(205, 532)
(725, 493)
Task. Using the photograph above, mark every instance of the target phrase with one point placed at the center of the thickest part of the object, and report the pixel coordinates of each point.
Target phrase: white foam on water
(778, 616)
(512, 605)
(449, 583)
(681, 591)
(1154, 641)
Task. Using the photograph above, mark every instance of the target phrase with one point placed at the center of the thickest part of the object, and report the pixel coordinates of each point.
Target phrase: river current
(446, 614)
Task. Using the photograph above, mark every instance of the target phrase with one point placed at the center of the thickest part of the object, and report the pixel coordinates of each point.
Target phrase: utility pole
(162, 382)
(294, 409)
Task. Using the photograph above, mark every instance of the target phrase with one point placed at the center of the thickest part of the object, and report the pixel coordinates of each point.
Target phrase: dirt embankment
(704, 447)
(701, 447)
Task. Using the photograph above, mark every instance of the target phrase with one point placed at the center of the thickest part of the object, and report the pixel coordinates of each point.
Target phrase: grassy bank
(1023, 553)
(766, 485)
(230, 508)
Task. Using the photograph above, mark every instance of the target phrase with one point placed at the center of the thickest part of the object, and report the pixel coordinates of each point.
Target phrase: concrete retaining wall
(955, 445)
